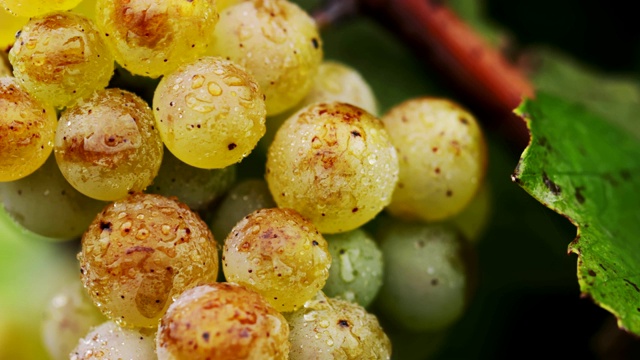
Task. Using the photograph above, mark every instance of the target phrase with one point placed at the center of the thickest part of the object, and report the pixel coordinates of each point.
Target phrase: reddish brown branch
(479, 70)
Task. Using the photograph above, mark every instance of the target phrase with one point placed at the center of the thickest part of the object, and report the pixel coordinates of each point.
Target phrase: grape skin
(427, 278)
(60, 58)
(46, 204)
(110, 341)
(151, 37)
(26, 131)
(210, 113)
(10, 25)
(107, 145)
(197, 188)
(279, 254)
(333, 163)
(142, 251)
(31, 8)
(222, 321)
(442, 158)
(277, 42)
(356, 268)
(328, 329)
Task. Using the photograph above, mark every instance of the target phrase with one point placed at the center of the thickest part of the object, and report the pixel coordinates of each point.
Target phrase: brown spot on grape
(315, 43)
(105, 225)
(343, 323)
(231, 146)
(354, 210)
(356, 133)
(434, 282)
(449, 193)
(205, 336)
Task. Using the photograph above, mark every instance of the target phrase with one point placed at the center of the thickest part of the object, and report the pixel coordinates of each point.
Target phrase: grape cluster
(192, 259)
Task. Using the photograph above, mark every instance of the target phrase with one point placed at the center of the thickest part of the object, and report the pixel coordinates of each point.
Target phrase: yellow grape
(107, 145)
(334, 163)
(222, 321)
(110, 342)
(279, 254)
(152, 37)
(27, 129)
(31, 8)
(10, 26)
(443, 158)
(277, 42)
(60, 58)
(210, 113)
(141, 252)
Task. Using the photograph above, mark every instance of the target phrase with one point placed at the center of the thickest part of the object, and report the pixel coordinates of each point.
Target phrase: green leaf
(588, 169)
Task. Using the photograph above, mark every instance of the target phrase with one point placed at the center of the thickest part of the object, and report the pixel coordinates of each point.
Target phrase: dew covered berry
(222, 321)
(442, 156)
(27, 128)
(107, 145)
(141, 252)
(60, 57)
(278, 253)
(333, 163)
(210, 113)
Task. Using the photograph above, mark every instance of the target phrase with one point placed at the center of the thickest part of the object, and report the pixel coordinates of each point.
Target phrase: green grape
(442, 158)
(31, 8)
(279, 254)
(197, 188)
(327, 329)
(110, 341)
(60, 58)
(10, 26)
(152, 37)
(27, 129)
(427, 275)
(141, 252)
(356, 267)
(241, 200)
(69, 317)
(474, 219)
(334, 82)
(46, 204)
(333, 163)
(222, 321)
(210, 113)
(277, 42)
(107, 145)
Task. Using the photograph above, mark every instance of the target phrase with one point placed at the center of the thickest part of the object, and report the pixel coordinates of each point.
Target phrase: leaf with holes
(588, 169)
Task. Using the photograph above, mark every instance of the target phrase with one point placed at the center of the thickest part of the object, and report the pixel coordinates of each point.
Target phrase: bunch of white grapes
(281, 267)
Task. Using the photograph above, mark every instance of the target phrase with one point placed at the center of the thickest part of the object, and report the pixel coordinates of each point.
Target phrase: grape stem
(481, 72)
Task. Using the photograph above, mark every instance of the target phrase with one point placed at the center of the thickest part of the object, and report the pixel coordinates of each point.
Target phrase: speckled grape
(110, 341)
(30, 8)
(279, 254)
(151, 37)
(442, 156)
(328, 329)
(334, 163)
(356, 267)
(277, 42)
(222, 321)
(27, 129)
(210, 113)
(60, 58)
(197, 188)
(140, 253)
(241, 200)
(107, 145)
(428, 275)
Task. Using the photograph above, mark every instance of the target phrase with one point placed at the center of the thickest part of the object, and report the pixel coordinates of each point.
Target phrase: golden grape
(27, 129)
(141, 252)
